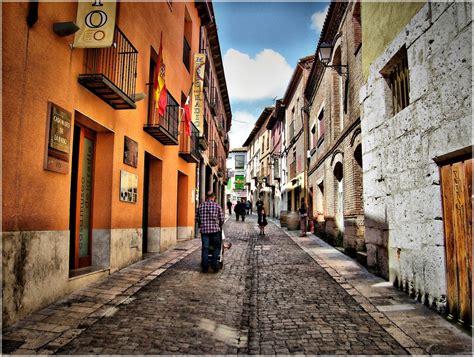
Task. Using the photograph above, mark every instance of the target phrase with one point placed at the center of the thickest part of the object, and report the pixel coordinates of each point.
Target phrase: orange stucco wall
(39, 66)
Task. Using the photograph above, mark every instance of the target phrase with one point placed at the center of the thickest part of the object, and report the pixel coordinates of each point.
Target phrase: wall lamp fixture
(63, 29)
(325, 53)
(139, 96)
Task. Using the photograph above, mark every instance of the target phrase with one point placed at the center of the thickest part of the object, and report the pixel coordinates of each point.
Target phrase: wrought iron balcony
(111, 73)
(203, 143)
(213, 99)
(276, 170)
(213, 153)
(292, 170)
(164, 128)
(188, 145)
(221, 168)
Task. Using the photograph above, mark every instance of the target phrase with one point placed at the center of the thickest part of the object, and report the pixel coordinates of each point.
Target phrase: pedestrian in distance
(242, 209)
(210, 220)
(237, 210)
(229, 207)
(259, 205)
(250, 203)
(262, 222)
(303, 215)
(247, 207)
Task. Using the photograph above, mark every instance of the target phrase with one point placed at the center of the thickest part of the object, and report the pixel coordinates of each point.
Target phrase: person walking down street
(262, 222)
(237, 210)
(259, 205)
(242, 209)
(210, 221)
(247, 207)
(229, 207)
(250, 203)
(303, 213)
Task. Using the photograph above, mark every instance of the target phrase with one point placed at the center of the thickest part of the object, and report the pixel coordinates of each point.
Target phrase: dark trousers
(214, 240)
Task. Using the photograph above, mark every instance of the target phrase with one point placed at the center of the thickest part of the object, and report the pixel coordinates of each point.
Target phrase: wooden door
(456, 188)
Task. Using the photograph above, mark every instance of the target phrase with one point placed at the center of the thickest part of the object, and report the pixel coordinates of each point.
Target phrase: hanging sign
(197, 106)
(239, 182)
(96, 20)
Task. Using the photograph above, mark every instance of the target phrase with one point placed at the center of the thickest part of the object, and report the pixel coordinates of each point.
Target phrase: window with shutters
(320, 127)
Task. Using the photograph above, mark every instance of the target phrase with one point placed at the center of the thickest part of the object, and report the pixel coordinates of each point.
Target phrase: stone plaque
(130, 152)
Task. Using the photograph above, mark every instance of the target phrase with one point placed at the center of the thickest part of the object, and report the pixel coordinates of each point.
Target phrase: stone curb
(53, 336)
(382, 319)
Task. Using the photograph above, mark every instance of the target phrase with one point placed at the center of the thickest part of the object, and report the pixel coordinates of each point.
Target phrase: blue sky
(261, 43)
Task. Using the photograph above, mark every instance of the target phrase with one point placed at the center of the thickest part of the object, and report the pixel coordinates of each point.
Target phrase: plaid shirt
(210, 217)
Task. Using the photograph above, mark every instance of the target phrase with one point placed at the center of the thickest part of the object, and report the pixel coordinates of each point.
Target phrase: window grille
(399, 80)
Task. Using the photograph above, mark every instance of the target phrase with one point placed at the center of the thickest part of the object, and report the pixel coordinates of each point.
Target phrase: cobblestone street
(274, 296)
(270, 298)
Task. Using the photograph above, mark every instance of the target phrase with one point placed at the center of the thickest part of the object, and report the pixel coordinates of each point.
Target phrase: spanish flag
(159, 86)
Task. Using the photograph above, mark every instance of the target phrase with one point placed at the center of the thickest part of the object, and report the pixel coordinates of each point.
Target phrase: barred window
(397, 73)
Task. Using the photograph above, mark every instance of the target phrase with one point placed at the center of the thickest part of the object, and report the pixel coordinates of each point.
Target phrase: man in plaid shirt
(210, 218)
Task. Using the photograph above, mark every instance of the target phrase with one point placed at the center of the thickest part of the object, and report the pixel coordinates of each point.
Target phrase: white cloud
(317, 19)
(242, 125)
(265, 76)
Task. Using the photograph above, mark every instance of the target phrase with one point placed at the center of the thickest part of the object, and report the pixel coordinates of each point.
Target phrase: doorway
(146, 189)
(456, 190)
(338, 175)
(151, 214)
(81, 208)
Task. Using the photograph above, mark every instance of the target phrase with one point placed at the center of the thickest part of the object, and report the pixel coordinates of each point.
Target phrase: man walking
(229, 207)
(210, 220)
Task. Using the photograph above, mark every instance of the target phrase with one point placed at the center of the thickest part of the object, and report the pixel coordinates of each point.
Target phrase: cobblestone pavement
(271, 297)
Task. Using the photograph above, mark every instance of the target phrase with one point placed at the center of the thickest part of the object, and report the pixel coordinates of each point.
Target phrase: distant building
(236, 171)
(214, 140)
(276, 125)
(334, 137)
(294, 144)
(258, 156)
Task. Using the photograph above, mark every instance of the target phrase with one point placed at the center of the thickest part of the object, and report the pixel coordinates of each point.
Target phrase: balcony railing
(213, 153)
(214, 99)
(292, 170)
(276, 170)
(292, 130)
(203, 141)
(220, 125)
(221, 168)
(188, 145)
(111, 73)
(165, 128)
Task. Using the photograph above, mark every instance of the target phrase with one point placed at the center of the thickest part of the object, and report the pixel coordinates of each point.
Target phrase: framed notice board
(58, 139)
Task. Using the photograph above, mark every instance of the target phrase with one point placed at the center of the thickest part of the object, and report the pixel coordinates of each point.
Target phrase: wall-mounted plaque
(130, 152)
(128, 187)
(58, 139)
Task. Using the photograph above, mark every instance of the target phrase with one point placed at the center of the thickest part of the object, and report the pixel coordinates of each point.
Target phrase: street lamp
(325, 53)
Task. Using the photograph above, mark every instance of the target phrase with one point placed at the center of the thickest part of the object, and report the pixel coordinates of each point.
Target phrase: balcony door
(82, 179)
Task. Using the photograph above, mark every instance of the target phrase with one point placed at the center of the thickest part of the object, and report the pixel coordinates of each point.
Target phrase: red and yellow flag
(159, 86)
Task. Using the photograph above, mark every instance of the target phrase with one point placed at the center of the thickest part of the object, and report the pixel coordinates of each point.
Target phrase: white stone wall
(402, 198)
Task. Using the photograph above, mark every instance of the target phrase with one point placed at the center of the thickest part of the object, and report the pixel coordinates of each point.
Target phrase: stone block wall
(402, 196)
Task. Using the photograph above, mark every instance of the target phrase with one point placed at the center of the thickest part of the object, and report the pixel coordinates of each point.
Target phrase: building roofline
(258, 124)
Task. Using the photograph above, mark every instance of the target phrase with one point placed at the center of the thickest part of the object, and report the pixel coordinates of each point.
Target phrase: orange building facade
(93, 178)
